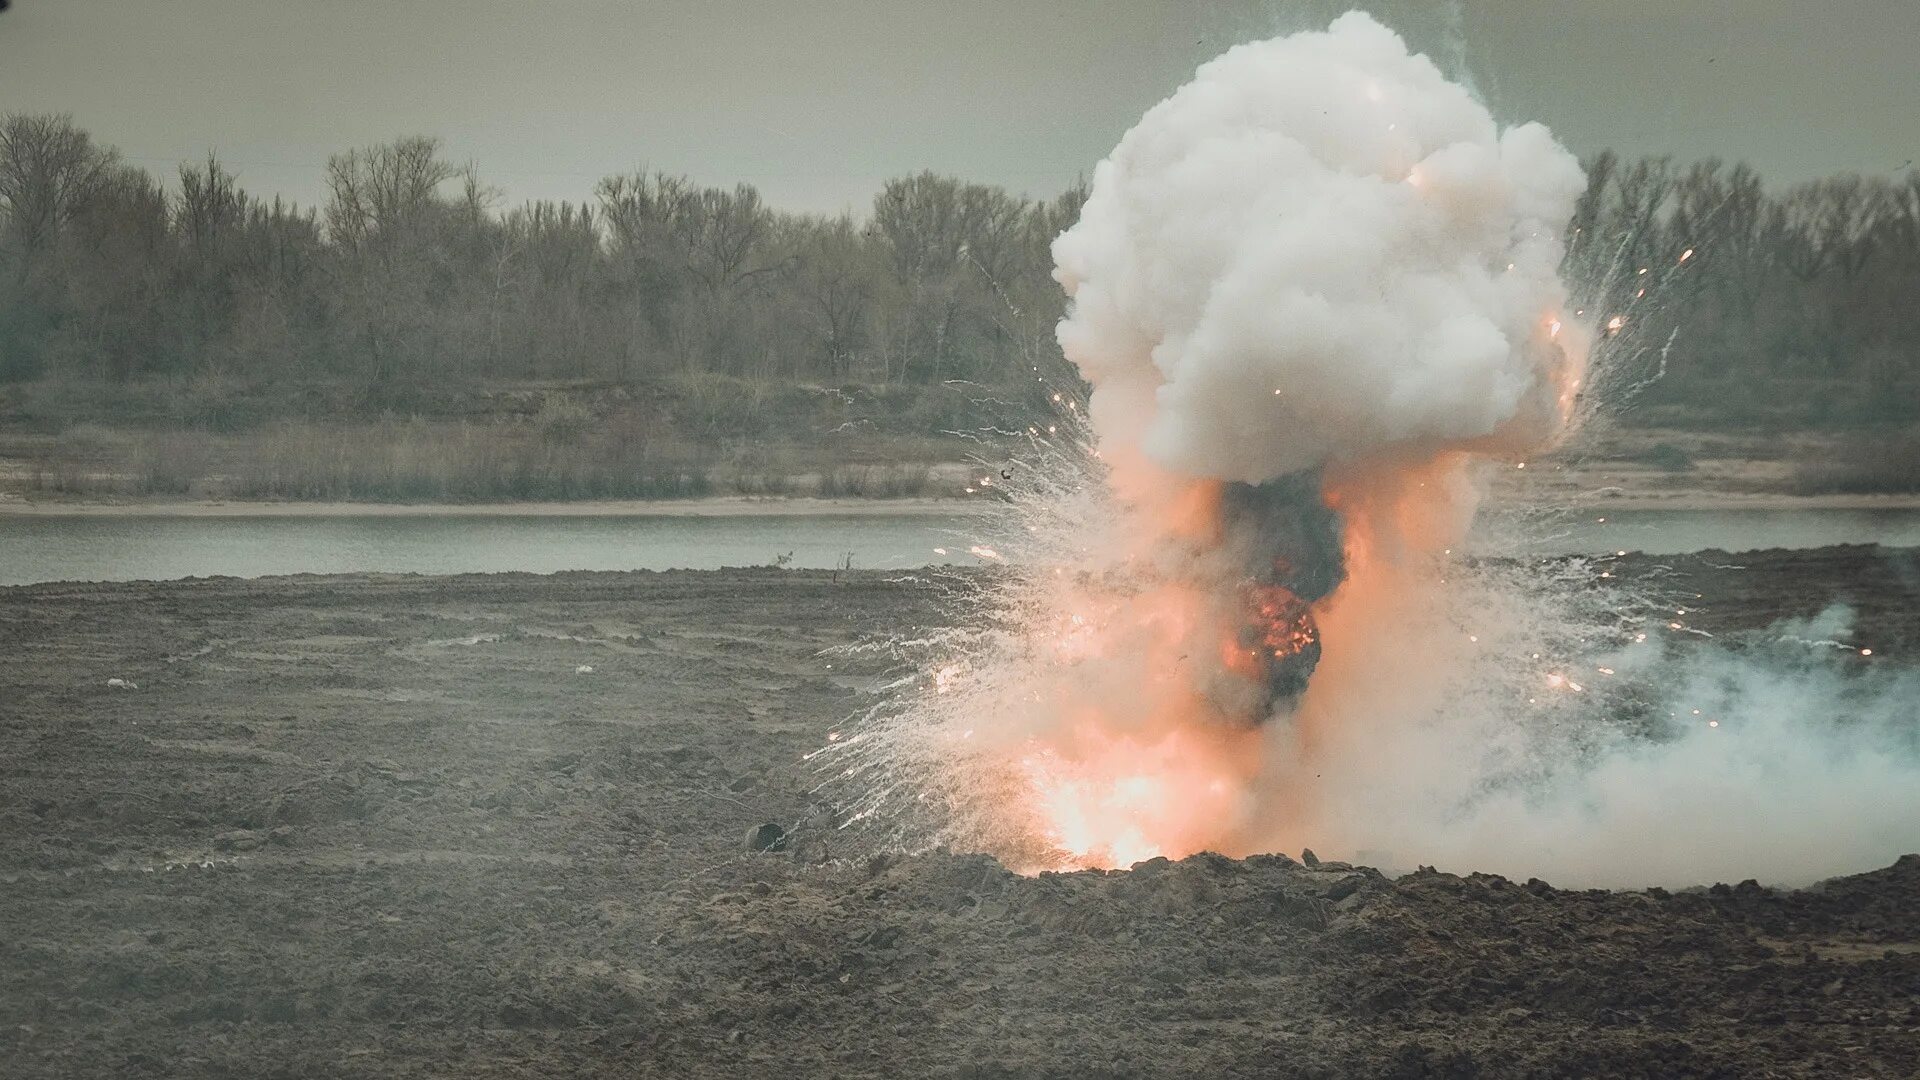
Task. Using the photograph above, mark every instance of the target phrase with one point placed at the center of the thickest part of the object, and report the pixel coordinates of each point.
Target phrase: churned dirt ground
(492, 826)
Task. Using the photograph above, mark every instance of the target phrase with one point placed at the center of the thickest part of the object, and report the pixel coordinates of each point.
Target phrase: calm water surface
(1674, 532)
(103, 548)
(133, 548)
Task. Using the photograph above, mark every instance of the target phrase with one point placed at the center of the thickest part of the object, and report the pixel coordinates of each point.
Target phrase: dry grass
(876, 482)
(678, 436)
(559, 454)
(1883, 463)
(414, 461)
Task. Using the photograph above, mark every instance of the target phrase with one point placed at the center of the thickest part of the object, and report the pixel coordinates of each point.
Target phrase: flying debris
(1237, 620)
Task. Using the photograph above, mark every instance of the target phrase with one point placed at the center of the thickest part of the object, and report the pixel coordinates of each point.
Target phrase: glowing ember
(1285, 639)
(1113, 801)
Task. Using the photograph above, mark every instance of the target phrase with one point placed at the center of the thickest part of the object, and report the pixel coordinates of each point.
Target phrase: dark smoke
(1289, 542)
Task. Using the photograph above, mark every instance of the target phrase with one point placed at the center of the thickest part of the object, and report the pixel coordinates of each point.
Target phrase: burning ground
(385, 826)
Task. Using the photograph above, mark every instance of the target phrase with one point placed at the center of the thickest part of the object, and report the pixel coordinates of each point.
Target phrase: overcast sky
(817, 101)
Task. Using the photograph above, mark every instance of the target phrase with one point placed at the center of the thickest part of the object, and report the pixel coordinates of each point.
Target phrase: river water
(37, 548)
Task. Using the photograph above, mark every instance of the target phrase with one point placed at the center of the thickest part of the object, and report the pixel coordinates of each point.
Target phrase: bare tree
(836, 278)
(49, 169)
(1852, 211)
(1796, 227)
(384, 216)
(722, 234)
(384, 191)
(211, 206)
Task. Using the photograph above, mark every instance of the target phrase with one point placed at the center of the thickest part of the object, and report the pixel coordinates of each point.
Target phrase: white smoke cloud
(1326, 216)
(1318, 249)
(1776, 762)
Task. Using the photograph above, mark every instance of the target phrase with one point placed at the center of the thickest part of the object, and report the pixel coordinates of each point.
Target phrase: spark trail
(1316, 296)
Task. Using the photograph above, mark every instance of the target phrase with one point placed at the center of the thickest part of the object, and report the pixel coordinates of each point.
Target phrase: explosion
(1315, 294)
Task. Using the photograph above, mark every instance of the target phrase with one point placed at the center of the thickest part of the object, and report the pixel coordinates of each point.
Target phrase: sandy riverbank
(702, 507)
(1606, 470)
(1600, 499)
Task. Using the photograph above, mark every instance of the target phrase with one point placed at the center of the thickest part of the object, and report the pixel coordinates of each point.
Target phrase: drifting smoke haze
(1776, 763)
(1316, 295)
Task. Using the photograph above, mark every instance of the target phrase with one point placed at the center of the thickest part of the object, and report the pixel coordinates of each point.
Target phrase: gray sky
(817, 101)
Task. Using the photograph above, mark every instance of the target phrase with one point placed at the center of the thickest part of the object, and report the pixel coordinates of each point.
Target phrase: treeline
(1747, 303)
(411, 271)
(1747, 300)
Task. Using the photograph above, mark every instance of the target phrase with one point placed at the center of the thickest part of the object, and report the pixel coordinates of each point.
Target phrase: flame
(1285, 621)
(1157, 758)
(1108, 800)
(1142, 726)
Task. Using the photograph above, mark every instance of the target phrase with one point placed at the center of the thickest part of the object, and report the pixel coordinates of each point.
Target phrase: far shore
(1723, 500)
(718, 506)
(746, 506)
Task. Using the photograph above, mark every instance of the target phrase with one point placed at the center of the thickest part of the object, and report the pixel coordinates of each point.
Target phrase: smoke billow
(1316, 295)
(1319, 250)
(1782, 760)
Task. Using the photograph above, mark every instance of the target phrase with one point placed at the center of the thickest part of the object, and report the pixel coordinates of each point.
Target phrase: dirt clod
(767, 837)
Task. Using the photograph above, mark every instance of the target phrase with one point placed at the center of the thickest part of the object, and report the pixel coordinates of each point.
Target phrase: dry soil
(492, 826)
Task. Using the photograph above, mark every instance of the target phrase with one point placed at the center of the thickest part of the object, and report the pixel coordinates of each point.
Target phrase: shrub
(1667, 457)
(562, 420)
(1884, 464)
